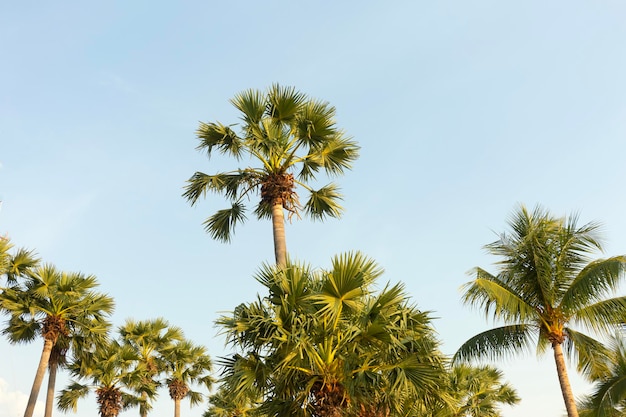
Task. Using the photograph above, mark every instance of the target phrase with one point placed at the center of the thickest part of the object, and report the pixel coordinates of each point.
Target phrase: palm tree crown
(546, 283)
(323, 343)
(290, 138)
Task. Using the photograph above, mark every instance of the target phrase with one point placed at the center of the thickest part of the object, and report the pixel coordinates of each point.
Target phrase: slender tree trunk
(280, 243)
(566, 388)
(52, 379)
(143, 411)
(176, 407)
(41, 370)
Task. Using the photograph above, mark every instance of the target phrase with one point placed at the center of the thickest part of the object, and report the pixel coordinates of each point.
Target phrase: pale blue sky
(462, 109)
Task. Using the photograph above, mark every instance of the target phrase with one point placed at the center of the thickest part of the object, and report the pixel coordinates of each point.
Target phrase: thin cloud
(13, 403)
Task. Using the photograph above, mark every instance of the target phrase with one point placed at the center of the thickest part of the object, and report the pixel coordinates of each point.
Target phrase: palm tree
(53, 305)
(608, 398)
(186, 364)
(323, 343)
(112, 374)
(291, 138)
(149, 338)
(546, 283)
(479, 391)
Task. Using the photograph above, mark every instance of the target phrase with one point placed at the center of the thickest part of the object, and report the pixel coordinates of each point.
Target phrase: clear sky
(463, 109)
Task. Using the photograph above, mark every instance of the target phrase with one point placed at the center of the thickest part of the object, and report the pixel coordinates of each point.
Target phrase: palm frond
(284, 103)
(496, 298)
(221, 225)
(216, 135)
(498, 343)
(594, 281)
(324, 202)
(252, 104)
(603, 316)
(593, 357)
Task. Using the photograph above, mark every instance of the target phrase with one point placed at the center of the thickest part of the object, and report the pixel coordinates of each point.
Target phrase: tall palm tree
(149, 338)
(53, 304)
(608, 398)
(288, 138)
(186, 365)
(479, 391)
(111, 372)
(323, 343)
(546, 283)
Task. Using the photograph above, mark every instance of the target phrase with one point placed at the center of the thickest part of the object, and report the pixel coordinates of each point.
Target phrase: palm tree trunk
(176, 408)
(280, 243)
(566, 388)
(52, 378)
(41, 370)
(143, 411)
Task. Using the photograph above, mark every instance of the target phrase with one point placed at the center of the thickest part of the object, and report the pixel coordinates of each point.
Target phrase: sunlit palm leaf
(324, 202)
(498, 343)
(216, 135)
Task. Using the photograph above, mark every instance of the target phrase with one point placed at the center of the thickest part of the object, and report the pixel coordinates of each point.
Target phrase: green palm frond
(68, 398)
(234, 185)
(216, 135)
(284, 103)
(595, 280)
(337, 155)
(252, 104)
(495, 298)
(498, 343)
(324, 203)
(593, 357)
(603, 316)
(221, 225)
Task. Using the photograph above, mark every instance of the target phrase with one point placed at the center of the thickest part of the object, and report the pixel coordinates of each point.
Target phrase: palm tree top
(289, 139)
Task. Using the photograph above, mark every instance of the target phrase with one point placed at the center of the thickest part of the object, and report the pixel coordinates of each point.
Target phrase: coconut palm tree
(546, 283)
(479, 391)
(608, 398)
(186, 365)
(323, 343)
(288, 139)
(53, 304)
(111, 372)
(149, 338)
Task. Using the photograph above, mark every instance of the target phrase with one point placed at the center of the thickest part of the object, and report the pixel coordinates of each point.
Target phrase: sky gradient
(462, 110)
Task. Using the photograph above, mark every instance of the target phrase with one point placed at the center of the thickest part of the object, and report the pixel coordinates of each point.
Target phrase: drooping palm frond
(592, 356)
(498, 343)
(323, 203)
(595, 281)
(603, 316)
(221, 225)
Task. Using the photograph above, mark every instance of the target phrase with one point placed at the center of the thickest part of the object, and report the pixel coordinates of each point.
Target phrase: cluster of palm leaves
(66, 311)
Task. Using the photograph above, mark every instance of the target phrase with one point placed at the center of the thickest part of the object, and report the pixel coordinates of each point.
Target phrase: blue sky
(462, 110)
